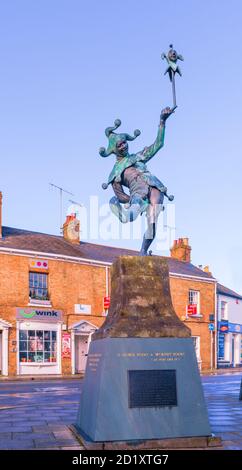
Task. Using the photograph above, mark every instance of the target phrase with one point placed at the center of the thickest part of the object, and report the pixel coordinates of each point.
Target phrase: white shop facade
(38, 338)
(229, 328)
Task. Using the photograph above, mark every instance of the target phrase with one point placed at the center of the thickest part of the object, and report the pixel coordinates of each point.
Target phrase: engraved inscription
(155, 356)
(93, 361)
(152, 388)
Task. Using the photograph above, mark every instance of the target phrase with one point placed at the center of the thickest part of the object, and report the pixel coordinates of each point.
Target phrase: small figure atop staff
(172, 57)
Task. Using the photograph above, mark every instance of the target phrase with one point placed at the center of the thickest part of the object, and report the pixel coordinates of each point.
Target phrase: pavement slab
(41, 412)
(30, 435)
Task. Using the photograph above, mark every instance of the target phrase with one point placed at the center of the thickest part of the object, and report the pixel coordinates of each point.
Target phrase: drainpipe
(107, 285)
(216, 328)
(107, 281)
(17, 347)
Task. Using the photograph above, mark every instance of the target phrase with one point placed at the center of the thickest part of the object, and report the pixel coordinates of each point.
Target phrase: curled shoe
(118, 210)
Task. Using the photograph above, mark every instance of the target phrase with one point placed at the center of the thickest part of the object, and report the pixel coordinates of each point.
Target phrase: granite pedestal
(142, 389)
(142, 381)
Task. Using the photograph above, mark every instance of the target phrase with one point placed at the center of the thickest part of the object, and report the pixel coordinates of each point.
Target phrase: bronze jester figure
(146, 191)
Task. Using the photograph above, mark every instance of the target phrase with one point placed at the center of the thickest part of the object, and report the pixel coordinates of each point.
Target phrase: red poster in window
(192, 309)
(106, 302)
(66, 345)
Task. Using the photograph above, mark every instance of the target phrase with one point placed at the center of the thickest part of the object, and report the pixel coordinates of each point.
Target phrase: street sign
(211, 326)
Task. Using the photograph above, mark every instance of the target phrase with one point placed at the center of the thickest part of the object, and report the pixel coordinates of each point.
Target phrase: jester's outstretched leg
(137, 206)
(155, 207)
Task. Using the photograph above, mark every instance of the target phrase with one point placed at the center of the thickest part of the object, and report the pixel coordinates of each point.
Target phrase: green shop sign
(38, 314)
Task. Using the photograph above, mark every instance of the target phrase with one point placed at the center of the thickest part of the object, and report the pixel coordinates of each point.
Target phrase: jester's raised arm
(150, 151)
(118, 144)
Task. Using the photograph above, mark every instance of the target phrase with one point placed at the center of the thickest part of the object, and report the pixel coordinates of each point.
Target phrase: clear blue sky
(70, 67)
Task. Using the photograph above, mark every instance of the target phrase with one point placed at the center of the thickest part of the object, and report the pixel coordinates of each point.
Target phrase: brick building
(52, 291)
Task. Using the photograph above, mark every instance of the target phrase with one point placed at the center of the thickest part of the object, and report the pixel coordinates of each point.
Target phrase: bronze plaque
(152, 388)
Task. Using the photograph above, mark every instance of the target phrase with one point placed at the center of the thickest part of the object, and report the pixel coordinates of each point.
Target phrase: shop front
(229, 344)
(38, 341)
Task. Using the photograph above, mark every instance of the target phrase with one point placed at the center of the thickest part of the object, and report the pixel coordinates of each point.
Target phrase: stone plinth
(141, 303)
(142, 381)
(114, 408)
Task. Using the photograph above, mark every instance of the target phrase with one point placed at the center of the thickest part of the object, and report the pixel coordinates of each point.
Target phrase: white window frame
(43, 330)
(225, 310)
(191, 300)
(42, 280)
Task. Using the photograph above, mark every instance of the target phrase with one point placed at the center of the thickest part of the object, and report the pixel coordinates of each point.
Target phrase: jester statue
(146, 191)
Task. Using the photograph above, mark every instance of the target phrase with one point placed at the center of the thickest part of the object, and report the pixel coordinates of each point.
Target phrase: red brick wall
(69, 284)
(72, 283)
(199, 326)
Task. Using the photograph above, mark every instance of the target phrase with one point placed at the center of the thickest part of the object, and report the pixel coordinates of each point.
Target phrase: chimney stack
(181, 250)
(1, 198)
(206, 269)
(71, 229)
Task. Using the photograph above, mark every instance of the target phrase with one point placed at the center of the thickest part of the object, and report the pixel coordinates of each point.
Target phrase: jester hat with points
(114, 138)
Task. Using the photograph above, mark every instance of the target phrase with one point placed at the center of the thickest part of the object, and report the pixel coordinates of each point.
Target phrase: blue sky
(69, 68)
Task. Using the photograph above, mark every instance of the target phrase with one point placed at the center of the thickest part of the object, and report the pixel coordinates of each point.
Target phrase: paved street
(225, 409)
(36, 414)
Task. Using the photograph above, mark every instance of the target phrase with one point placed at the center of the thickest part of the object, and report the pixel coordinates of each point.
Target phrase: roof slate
(226, 291)
(20, 239)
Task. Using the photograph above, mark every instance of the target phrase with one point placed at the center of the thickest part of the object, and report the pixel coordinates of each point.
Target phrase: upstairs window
(38, 286)
(194, 299)
(224, 310)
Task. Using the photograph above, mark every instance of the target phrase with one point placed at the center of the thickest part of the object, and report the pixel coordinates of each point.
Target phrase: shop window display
(38, 346)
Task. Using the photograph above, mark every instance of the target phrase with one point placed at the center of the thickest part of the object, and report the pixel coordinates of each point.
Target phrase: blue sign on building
(221, 346)
(223, 326)
(235, 328)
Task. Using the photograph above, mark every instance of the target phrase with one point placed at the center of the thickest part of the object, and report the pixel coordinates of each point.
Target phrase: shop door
(1, 348)
(81, 350)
